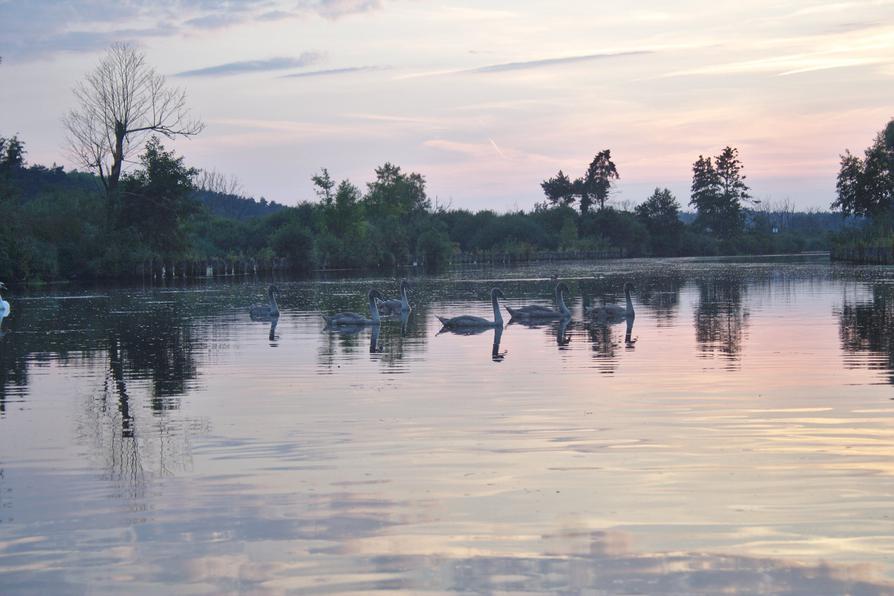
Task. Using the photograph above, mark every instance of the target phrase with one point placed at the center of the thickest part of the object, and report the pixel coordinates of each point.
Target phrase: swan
(615, 312)
(396, 306)
(353, 319)
(266, 311)
(535, 311)
(468, 321)
(4, 305)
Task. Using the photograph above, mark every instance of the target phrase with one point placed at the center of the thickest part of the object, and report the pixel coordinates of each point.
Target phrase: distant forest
(59, 224)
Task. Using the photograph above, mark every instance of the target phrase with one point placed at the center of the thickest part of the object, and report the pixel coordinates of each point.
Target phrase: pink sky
(485, 100)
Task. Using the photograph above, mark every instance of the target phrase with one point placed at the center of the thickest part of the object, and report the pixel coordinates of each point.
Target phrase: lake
(739, 437)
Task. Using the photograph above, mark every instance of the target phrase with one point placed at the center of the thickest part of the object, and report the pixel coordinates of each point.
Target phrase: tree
(217, 182)
(323, 185)
(119, 103)
(295, 242)
(661, 215)
(394, 193)
(559, 190)
(12, 158)
(12, 152)
(157, 201)
(717, 192)
(729, 173)
(866, 186)
(597, 182)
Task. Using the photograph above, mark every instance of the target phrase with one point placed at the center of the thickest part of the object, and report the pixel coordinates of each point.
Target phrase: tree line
(107, 222)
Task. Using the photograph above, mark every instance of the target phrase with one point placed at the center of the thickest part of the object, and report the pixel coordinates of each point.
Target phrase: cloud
(548, 62)
(213, 21)
(333, 71)
(333, 9)
(40, 28)
(252, 66)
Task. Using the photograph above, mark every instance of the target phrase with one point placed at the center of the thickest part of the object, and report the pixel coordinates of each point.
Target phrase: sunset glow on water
(740, 437)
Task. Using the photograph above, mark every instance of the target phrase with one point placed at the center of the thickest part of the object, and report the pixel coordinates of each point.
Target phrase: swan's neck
(373, 309)
(498, 318)
(562, 307)
(630, 312)
(273, 306)
(404, 300)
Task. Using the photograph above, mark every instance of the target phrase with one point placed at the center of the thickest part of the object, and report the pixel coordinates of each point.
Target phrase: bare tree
(214, 181)
(120, 102)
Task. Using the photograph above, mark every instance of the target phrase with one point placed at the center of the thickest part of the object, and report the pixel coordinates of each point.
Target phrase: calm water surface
(739, 437)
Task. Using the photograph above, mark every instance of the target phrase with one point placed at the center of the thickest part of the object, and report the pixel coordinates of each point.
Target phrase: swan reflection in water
(374, 346)
(563, 338)
(495, 354)
(627, 334)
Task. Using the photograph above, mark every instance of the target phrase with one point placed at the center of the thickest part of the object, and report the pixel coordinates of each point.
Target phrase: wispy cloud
(332, 71)
(253, 66)
(527, 65)
(548, 62)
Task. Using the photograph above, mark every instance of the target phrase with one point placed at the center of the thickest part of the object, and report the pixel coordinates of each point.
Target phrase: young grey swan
(543, 313)
(4, 305)
(470, 322)
(266, 311)
(353, 319)
(396, 306)
(615, 312)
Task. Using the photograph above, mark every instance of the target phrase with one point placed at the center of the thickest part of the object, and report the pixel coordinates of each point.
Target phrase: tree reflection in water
(149, 359)
(866, 329)
(720, 319)
(660, 295)
(150, 363)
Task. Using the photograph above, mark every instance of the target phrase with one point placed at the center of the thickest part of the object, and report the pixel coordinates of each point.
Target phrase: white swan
(395, 306)
(353, 319)
(615, 312)
(4, 305)
(266, 311)
(468, 321)
(535, 311)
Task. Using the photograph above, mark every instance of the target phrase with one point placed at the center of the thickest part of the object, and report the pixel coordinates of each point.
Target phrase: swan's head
(562, 287)
(628, 286)
(375, 295)
(272, 290)
(497, 293)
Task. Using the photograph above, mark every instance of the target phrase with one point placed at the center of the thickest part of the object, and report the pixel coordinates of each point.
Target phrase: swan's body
(535, 311)
(4, 305)
(266, 311)
(615, 312)
(353, 319)
(470, 322)
(396, 306)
